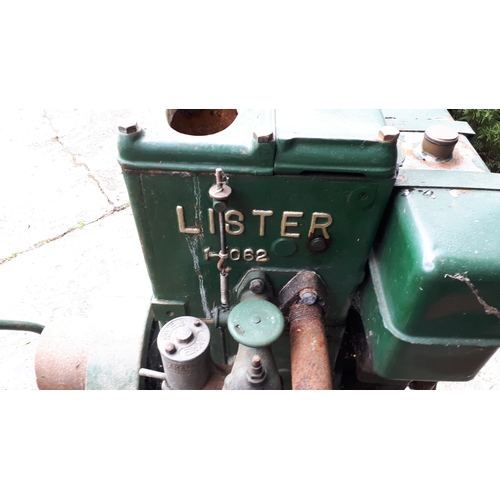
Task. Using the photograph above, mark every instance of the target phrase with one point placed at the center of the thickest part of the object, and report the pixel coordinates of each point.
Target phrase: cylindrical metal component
(62, 355)
(308, 348)
(188, 365)
(439, 141)
(144, 372)
(224, 289)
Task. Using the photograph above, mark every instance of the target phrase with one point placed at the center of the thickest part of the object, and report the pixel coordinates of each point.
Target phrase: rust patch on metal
(457, 192)
(308, 348)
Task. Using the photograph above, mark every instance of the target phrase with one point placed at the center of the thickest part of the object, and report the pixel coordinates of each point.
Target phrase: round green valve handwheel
(256, 323)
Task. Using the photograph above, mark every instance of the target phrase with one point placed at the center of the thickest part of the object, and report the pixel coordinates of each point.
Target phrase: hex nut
(257, 286)
(308, 296)
(388, 134)
(263, 137)
(129, 130)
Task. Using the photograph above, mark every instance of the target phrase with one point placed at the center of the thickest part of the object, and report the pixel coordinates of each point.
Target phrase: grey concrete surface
(68, 242)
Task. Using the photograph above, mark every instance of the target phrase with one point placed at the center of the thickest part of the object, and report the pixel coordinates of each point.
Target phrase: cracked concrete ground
(69, 245)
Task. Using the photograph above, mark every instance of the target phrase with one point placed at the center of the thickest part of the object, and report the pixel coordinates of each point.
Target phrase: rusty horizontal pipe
(309, 350)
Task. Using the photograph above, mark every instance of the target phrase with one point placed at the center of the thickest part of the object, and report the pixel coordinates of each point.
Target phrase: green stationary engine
(308, 250)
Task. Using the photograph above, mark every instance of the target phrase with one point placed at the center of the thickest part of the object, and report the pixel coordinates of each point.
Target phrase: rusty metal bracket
(303, 281)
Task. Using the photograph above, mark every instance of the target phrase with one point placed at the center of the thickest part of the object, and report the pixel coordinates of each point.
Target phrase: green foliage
(486, 124)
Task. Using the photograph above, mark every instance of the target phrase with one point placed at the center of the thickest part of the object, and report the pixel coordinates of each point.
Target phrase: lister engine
(325, 249)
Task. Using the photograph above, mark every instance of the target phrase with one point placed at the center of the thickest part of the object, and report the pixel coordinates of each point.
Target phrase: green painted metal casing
(311, 162)
(431, 307)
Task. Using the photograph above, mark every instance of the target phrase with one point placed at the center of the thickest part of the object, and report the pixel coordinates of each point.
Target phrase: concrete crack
(487, 308)
(79, 226)
(74, 160)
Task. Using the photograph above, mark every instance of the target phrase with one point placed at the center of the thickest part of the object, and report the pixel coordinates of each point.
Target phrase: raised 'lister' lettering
(182, 224)
(285, 224)
(235, 223)
(315, 225)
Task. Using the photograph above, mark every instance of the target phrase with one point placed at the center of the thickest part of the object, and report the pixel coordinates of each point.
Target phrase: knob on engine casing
(255, 324)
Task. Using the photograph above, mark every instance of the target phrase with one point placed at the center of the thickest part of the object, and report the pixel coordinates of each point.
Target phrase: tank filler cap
(183, 339)
(256, 323)
(439, 141)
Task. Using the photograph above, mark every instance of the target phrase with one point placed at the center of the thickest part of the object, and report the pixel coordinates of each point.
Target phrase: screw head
(170, 348)
(308, 296)
(388, 134)
(257, 286)
(129, 129)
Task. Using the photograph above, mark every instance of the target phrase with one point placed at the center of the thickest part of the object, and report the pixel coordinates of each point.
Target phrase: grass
(486, 124)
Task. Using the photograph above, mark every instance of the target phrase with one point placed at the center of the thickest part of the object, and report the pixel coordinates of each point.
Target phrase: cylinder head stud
(256, 372)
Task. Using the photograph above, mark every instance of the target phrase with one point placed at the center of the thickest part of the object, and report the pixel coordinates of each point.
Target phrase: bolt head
(129, 129)
(318, 245)
(388, 134)
(257, 286)
(309, 297)
(263, 137)
(170, 348)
